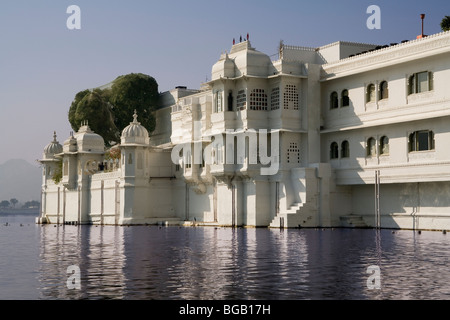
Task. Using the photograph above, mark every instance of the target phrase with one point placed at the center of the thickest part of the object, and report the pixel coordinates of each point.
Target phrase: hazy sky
(43, 64)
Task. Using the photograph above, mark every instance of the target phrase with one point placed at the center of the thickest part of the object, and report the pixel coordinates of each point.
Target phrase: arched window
(371, 148)
(384, 91)
(291, 97)
(384, 145)
(334, 102)
(293, 153)
(345, 149)
(370, 93)
(130, 158)
(230, 101)
(334, 150)
(258, 100)
(345, 98)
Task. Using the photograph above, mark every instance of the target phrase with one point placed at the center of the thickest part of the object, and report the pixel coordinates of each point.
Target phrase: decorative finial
(54, 136)
(135, 116)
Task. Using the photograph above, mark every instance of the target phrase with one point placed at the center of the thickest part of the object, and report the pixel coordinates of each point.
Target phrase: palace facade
(292, 142)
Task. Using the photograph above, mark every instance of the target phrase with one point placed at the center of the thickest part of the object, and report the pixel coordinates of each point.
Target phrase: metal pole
(102, 187)
(422, 16)
(375, 202)
(64, 206)
(59, 207)
(377, 199)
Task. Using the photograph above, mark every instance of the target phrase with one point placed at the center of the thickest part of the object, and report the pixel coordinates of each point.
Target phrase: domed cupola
(224, 68)
(135, 133)
(249, 61)
(70, 145)
(52, 148)
(88, 141)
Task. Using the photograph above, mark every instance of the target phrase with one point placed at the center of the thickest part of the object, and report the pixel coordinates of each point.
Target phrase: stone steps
(281, 219)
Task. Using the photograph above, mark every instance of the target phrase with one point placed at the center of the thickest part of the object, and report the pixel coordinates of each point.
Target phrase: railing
(110, 165)
(289, 47)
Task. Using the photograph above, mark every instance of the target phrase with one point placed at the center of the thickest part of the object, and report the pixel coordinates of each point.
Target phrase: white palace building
(295, 142)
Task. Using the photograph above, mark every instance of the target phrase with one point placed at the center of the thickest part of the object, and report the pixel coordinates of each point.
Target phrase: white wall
(411, 205)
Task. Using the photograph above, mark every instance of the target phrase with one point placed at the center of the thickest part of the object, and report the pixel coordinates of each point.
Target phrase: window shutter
(430, 80)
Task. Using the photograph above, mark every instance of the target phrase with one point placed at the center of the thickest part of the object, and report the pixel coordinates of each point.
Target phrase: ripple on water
(145, 262)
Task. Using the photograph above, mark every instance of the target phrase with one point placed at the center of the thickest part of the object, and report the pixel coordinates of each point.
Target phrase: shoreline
(19, 211)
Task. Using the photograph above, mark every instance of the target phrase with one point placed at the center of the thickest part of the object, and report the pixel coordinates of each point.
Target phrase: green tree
(135, 91)
(94, 107)
(4, 204)
(31, 204)
(73, 109)
(110, 110)
(445, 23)
(13, 201)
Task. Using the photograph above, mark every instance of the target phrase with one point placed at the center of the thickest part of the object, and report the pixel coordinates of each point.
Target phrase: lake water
(151, 262)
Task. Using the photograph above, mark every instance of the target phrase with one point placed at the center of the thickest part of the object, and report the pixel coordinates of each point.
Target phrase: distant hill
(21, 180)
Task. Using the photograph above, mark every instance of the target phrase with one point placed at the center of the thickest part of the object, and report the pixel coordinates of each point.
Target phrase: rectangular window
(241, 100)
(188, 159)
(218, 103)
(291, 97)
(420, 82)
(258, 100)
(275, 99)
(421, 141)
(66, 168)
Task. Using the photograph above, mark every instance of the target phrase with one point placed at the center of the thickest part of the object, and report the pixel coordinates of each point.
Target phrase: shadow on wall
(423, 205)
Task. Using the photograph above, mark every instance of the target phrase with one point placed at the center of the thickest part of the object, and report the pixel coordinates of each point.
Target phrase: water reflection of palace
(149, 262)
(171, 263)
(98, 252)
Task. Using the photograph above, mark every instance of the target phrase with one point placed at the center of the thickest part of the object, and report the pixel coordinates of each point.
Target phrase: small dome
(70, 145)
(249, 61)
(88, 141)
(135, 133)
(223, 68)
(52, 148)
